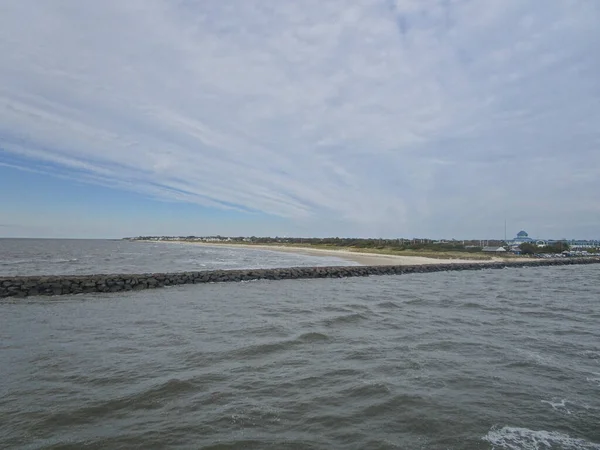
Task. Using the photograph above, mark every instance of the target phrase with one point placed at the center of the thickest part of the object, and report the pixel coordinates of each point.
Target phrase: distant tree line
(363, 243)
(371, 243)
(532, 249)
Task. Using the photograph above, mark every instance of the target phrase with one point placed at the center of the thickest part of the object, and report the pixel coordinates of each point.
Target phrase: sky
(366, 118)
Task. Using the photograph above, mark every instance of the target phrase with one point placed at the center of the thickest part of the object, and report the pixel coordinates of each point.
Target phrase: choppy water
(503, 359)
(77, 256)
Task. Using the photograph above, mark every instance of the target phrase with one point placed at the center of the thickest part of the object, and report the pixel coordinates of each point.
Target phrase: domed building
(521, 238)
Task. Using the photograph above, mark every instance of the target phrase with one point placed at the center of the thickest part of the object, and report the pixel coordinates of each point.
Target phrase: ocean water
(493, 359)
(84, 257)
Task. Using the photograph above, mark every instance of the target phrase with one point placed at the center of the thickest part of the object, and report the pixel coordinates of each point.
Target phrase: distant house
(493, 249)
(580, 245)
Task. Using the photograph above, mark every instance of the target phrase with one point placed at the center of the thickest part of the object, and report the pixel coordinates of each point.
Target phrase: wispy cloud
(406, 116)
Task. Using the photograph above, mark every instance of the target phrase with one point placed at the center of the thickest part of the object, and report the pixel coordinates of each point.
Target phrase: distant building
(493, 249)
(583, 244)
(522, 238)
(574, 244)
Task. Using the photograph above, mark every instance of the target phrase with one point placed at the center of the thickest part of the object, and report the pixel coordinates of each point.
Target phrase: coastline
(364, 259)
(26, 286)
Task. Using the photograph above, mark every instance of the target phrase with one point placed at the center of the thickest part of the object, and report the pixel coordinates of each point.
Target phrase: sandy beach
(366, 259)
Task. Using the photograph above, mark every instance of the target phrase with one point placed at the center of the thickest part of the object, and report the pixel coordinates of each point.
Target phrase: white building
(493, 249)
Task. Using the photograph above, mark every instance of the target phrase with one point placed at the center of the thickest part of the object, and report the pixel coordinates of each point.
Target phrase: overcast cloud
(402, 118)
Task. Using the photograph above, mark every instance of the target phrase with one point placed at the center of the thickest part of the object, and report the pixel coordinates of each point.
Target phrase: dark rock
(60, 285)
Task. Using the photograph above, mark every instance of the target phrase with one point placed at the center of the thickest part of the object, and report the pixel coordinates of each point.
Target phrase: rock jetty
(24, 286)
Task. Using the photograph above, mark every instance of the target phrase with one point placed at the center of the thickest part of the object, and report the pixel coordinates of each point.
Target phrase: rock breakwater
(25, 286)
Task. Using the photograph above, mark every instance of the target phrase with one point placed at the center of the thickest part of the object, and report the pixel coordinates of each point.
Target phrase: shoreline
(26, 286)
(364, 259)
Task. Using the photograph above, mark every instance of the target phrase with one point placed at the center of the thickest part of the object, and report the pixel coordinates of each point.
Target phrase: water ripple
(426, 361)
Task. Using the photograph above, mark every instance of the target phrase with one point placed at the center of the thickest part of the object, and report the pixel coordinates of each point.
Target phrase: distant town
(522, 244)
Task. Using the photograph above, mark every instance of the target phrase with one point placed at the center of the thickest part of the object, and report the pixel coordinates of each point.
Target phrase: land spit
(24, 286)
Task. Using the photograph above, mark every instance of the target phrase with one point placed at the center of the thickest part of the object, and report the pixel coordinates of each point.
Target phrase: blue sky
(404, 118)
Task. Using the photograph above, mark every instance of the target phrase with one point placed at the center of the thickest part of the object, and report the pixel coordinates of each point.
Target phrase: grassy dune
(387, 251)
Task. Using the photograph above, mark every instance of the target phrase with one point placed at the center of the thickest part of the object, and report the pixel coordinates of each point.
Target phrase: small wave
(393, 403)
(359, 307)
(438, 345)
(342, 309)
(366, 390)
(594, 380)
(366, 354)
(12, 262)
(513, 438)
(260, 350)
(59, 261)
(170, 388)
(313, 337)
(470, 305)
(535, 358)
(558, 405)
(348, 318)
(590, 354)
(270, 330)
(257, 443)
(416, 301)
(388, 305)
(152, 398)
(338, 373)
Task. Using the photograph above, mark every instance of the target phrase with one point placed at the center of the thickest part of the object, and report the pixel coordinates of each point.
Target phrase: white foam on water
(537, 358)
(513, 438)
(561, 406)
(558, 405)
(591, 354)
(595, 380)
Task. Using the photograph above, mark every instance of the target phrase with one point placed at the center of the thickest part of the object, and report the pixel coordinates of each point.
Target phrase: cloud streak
(401, 117)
